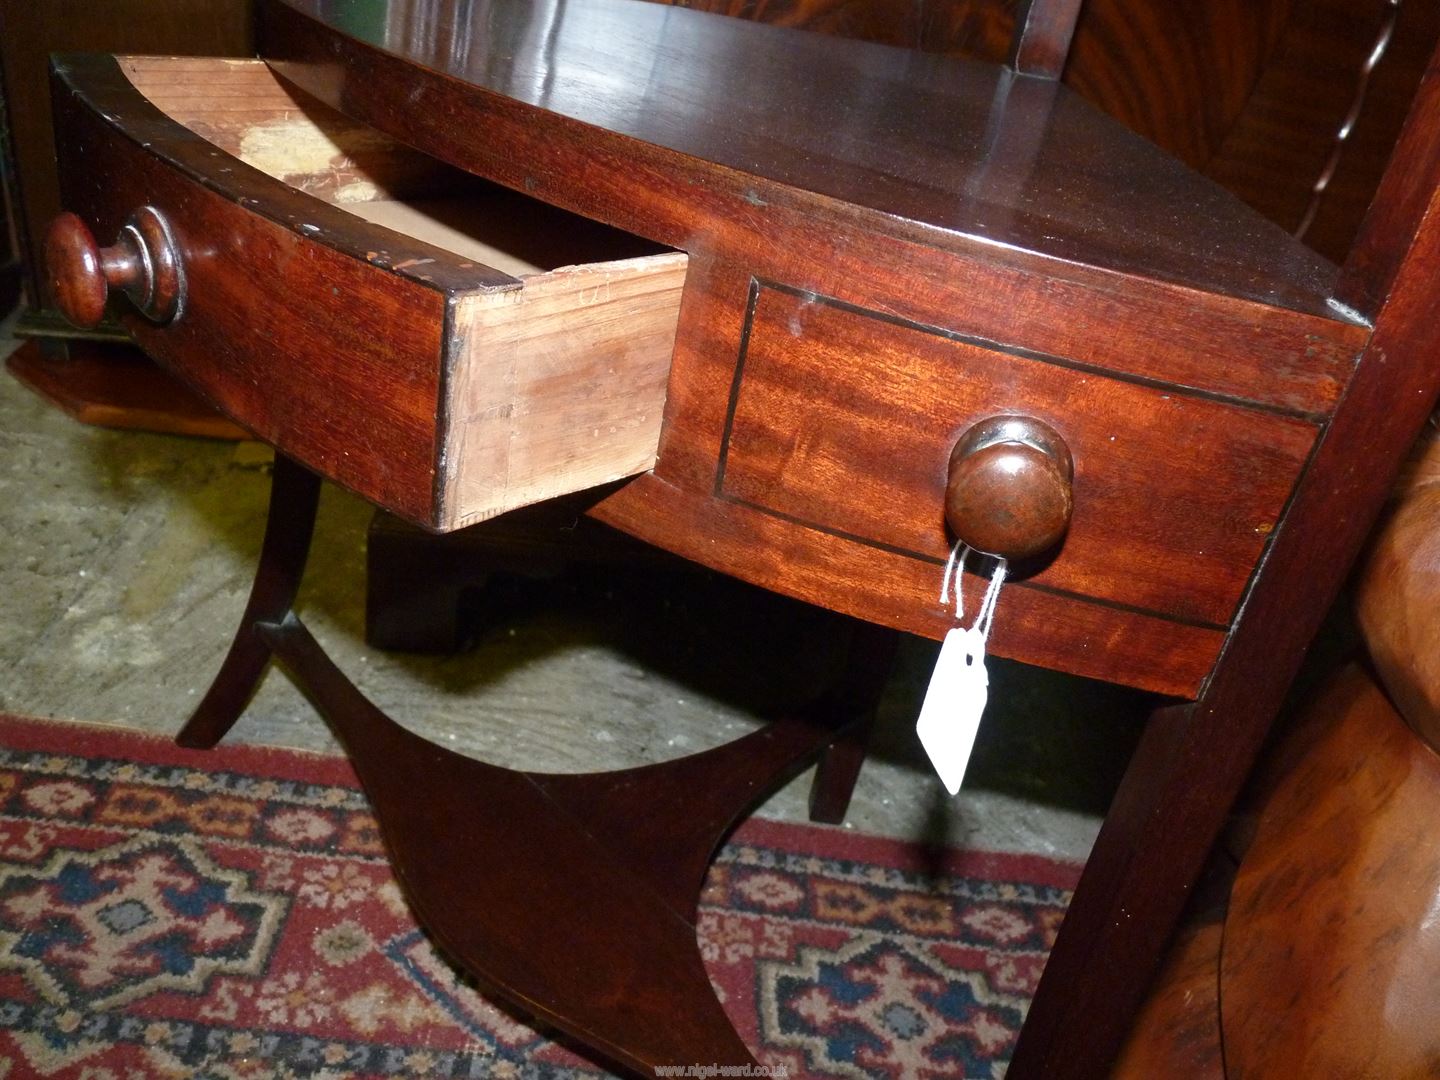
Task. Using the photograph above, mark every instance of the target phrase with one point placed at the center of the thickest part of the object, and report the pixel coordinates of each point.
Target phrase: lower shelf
(117, 386)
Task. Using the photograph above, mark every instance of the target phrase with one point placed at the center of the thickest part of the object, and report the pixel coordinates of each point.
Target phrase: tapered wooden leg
(294, 496)
(1170, 806)
(871, 656)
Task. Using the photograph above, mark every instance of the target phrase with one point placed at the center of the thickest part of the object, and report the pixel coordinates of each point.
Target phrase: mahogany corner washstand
(817, 300)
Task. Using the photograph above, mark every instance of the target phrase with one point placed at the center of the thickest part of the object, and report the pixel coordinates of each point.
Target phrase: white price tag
(950, 717)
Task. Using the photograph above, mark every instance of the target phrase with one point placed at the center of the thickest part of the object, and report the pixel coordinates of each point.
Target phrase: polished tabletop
(958, 148)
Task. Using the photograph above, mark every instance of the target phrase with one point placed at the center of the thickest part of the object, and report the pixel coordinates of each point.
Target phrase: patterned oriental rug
(168, 913)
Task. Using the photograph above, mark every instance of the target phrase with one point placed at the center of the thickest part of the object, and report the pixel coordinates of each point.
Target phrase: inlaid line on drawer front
(1175, 492)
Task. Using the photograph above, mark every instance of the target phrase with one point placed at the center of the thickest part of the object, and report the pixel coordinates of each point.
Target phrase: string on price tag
(960, 685)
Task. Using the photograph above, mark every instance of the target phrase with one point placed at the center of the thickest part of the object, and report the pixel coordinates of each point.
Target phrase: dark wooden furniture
(31, 32)
(95, 376)
(1252, 94)
(1319, 911)
(1332, 911)
(421, 587)
(10, 270)
(819, 265)
(1331, 916)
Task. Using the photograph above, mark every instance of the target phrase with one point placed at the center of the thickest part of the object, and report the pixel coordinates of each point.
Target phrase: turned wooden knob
(142, 263)
(1009, 488)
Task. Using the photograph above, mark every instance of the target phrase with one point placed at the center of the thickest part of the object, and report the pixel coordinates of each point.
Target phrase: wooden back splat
(1043, 29)
(1403, 206)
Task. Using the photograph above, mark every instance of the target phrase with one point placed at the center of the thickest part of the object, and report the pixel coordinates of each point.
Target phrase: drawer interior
(243, 108)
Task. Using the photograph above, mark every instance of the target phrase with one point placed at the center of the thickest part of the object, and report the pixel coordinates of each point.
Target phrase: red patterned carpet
(168, 913)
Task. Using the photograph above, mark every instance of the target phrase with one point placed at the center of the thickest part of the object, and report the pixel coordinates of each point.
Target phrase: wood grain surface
(1041, 43)
(1177, 1033)
(241, 107)
(30, 32)
(616, 861)
(1271, 99)
(1177, 790)
(1178, 72)
(1331, 923)
(856, 128)
(1396, 593)
(956, 293)
(1026, 226)
(559, 386)
(677, 507)
(1009, 487)
(1404, 204)
(845, 421)
(362, 344)
(433, 384)
(650, 156)
(1314, 115)
(116, 386)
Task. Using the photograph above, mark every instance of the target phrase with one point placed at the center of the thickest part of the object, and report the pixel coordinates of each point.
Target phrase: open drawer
(446, 348)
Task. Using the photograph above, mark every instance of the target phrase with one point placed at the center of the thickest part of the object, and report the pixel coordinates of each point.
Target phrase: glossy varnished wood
(1331, 921)
(142, 263)
(1097, 194)
(431, 382)
(1397, 594)
(846, 422)
(1043, 31)
(1191, 95)
(1029, 226)
(896, 590)
(1177, 1032)
(384, 329)
(1315, 114)
(294, 500)
(135, 396)
(116, 386)
(1010, 487)
(1159, 807)
(980, 29)
(677, 507)
(1179, 73)
(1403, 202)
(1254, 95)
(572, 897)
(487, 417)
(1182, 73)
(1332, 911)
(81, 272)
(33, 31)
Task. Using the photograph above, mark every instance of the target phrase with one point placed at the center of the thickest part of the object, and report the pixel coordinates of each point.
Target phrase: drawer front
(416, 373)
(844, 420)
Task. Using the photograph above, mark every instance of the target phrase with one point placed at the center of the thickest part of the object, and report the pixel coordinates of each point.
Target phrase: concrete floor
(125, 560)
